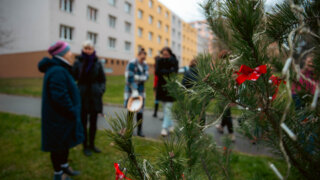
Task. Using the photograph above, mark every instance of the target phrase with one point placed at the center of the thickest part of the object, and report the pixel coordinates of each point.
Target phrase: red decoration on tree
(276, 82)
(119, 173)
(247, 73)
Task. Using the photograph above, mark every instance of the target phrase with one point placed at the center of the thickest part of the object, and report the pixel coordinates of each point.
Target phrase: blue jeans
(167, 120)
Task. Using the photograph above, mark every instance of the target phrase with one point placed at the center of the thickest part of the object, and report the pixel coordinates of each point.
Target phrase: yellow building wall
(143, 23)
(189, 43)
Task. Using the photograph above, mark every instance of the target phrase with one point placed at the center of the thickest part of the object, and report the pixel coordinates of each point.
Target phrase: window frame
(110, 44)
(112, 21)
(66, 32)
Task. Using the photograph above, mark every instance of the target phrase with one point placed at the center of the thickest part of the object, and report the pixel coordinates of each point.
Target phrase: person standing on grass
(137, 73)
(155, 84)
(89, 74)
(166, 65)
(61, 127)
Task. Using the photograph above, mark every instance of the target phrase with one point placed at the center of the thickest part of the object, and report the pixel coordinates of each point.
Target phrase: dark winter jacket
(190, 77)
(165, 67)
(60, 115)
(92, 84)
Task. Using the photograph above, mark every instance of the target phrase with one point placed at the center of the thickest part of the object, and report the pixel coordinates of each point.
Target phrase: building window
(150, 19)
(159, 24)
(179, 22)
(167, 14)
(173, 19)
(92, 37)
(159, 9)
(150, 3)
(112, 21)
(139, 48)
(167, 28)
(167, 42)
(140, 14)
(159, 39)
(127, 46)
(173, 32)
(92, 13)
(179, 35)
(140, 32)
(150, 36)
(179, 47)
(112, 42)
(66, 33)
(127, 7)
(127, 27)
(173, 45)
(112, 2)
(150, 52)
(66, 5)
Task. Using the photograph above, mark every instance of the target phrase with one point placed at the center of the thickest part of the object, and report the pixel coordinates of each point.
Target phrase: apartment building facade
(206, 38)
(118, 28)
(189, 43)
(153, 27)
(35, 24)
(176, 36)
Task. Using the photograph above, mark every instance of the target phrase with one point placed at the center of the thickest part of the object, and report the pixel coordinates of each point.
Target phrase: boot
(69, 171)
(156, 106)
(140, 117)
(86, 150)
(95, 149)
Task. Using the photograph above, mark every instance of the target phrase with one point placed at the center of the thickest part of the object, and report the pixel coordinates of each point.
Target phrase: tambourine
(135, 104)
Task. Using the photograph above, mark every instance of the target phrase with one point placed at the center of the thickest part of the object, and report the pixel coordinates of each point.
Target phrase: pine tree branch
(204, 166)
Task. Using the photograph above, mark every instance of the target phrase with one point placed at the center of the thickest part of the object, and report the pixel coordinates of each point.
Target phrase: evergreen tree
(251, 78)
(248, 78)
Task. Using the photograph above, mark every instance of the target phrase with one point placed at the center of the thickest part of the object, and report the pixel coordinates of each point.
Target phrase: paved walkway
(152, 126)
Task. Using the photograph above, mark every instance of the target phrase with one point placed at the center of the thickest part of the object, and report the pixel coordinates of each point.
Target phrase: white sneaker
(164, 132)
(171, 129)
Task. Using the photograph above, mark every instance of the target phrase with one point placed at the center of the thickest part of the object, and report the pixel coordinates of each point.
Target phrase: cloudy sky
(189, 10)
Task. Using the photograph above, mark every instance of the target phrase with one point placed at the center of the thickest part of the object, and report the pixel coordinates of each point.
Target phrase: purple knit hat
(59, 48)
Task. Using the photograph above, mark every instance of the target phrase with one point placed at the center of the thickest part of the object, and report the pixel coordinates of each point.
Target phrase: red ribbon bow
(119, 173)
(276, 82)
(247, 73)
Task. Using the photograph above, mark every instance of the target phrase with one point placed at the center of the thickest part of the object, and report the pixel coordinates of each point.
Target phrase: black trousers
(227, 120)
(58, 158)
(92, 118)
(138, 118)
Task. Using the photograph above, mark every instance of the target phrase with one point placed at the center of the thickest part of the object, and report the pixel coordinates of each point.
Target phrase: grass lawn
(33, 87)
(21, 157)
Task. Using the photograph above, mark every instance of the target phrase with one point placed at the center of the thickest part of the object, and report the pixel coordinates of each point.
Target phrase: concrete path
(152, 126)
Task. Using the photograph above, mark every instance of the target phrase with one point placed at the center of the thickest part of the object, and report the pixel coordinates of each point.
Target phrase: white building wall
(176, 39)
(81, 24)
(35, 25)
(27, 22)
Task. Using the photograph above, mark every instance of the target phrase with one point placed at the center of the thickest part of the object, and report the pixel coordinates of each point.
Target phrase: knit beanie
(59, 48)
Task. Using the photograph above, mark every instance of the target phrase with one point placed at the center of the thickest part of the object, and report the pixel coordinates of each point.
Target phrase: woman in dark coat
(60, 115)
(166, 65)
(89, 73)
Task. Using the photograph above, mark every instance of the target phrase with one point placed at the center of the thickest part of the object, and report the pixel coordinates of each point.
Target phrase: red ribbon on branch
(276, 82)
(119, 173)
(247, 73)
